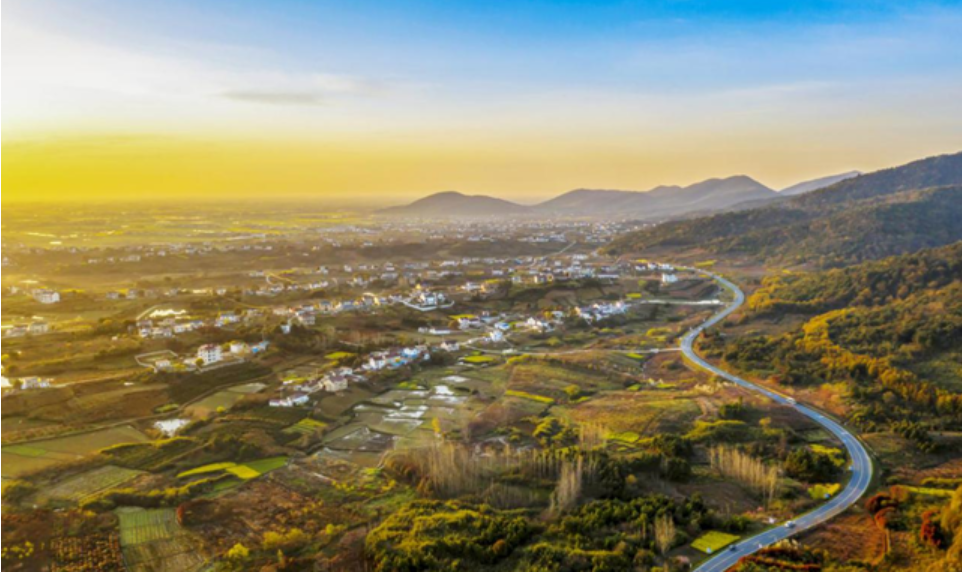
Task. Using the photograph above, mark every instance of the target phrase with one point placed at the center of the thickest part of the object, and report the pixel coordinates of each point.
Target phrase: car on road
(790, 524)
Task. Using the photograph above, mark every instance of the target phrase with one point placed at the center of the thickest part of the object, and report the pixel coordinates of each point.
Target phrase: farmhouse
(46, 296)
(209, 353)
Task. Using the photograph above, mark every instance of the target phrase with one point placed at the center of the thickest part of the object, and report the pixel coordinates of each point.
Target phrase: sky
(384, 102)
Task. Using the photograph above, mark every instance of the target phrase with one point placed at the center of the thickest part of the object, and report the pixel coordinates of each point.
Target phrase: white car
(790, 524)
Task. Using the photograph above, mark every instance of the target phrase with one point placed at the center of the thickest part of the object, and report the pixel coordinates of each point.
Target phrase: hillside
(816, 184)
(661, 202)
(864, 218)
(452, 203)
(870, 284)
(889, 330)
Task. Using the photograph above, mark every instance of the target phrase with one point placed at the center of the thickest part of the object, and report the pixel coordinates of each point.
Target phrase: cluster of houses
(208, 355)
(35, 328)
(601, 311)
(396, 357)
(298, 391)
(173, 325)
(25, 383)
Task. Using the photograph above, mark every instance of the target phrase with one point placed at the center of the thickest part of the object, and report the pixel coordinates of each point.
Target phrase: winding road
(860, 468)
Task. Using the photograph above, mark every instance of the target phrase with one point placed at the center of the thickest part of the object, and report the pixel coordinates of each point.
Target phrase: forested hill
(865, 218)
(871, 284)
(939, 171)
(889, 330)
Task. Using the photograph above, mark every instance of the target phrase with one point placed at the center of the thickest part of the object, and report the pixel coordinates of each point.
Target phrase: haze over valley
(429, 286)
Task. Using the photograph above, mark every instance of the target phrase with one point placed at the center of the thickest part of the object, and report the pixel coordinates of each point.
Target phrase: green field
(306, 426)
(478, 359)
(530, 396)
(211, 468)
(263, 466)
(84, 485)
(225, 398)
(335, 356)
(138, 526)
(625, 437)
(823, 491)
(152, 541)
(245, 471)
(25, 451)
(932, 492)
(713, 541)
(22, 459)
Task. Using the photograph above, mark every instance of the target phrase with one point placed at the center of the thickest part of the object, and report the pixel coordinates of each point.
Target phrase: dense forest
(870, 284)
(869, 217)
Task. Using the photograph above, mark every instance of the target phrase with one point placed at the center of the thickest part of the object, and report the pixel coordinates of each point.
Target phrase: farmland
(713, 541)
(85, 485)
(245, 471)
(556, 426)
(152, 540)
(20, 459)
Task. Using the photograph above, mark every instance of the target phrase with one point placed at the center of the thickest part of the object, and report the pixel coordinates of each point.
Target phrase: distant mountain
(816, 184)
(659, 203)
(880, 214)
(455, 204)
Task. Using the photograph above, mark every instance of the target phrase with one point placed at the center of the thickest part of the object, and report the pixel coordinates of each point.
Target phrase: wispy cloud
(301, 89)
(276, 97)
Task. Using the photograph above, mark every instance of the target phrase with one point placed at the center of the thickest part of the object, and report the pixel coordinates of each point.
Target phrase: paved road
(860, 468)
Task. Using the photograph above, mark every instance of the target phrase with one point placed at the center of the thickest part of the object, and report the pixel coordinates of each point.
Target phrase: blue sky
(638, 91)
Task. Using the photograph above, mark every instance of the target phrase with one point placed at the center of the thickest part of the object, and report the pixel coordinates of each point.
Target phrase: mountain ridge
(659, 203)
(884, 213)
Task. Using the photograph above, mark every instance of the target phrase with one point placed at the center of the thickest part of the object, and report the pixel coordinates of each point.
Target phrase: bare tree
(750, 471)
(665, 533)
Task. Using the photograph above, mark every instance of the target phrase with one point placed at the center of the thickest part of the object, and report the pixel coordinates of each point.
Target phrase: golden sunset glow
(212, 104)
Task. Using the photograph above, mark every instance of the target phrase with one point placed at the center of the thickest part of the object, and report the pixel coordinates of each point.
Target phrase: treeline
(608, 534)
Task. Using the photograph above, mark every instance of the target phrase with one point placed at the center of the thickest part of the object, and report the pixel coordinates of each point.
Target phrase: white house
(34, 383)
(450, 346)
(667, 278)
(468, 322)
(209, 353)
(15, 331)
(38, 328)
(334, 382)
(538, 324)
(46, 296)
(496, 336)
(290, 401)
(238, 347)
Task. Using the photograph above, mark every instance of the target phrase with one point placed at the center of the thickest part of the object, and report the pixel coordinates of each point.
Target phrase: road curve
(860, 468)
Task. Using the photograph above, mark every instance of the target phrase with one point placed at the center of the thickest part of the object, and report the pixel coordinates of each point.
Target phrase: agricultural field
(245, 471)
(153, 541)
(638, 412)
(713, 541)
(21, 459)
(85, 485)
(307, 426)
(222, 400)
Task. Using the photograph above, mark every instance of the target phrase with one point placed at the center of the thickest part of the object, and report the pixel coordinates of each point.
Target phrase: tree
(665, 533)
(238, 553)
